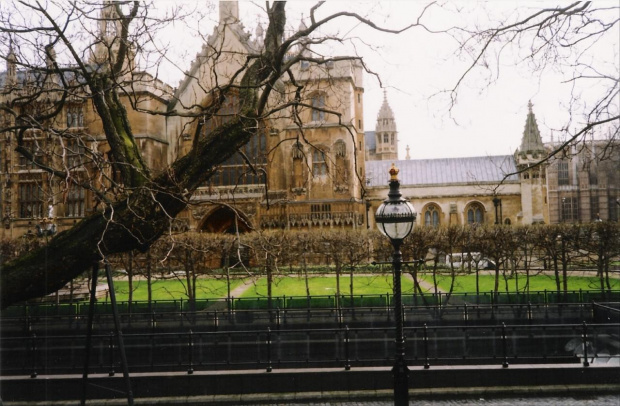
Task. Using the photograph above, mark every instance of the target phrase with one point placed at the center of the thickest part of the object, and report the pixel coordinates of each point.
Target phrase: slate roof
(444, 171)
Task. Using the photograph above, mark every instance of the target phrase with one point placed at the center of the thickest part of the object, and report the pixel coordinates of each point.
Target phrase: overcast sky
(416, 66)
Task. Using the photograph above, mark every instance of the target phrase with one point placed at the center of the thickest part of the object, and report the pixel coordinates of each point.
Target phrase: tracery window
(75, 116)
(235, 170)
(475, 214)
(431, 216)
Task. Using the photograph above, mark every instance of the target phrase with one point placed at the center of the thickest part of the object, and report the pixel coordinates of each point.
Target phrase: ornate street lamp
(395, 218)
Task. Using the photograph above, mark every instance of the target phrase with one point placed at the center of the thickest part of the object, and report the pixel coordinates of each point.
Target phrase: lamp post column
(395, 219)
(400, 371)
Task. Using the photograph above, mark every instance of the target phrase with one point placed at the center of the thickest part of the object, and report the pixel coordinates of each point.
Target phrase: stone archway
(225, 220)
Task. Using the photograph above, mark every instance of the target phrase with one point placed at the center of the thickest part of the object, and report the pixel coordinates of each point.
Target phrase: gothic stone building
(317, 172)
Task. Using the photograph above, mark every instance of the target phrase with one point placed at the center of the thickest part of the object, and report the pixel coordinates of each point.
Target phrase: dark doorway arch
(225, 220)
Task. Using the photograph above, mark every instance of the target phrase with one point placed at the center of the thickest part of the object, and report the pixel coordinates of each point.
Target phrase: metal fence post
(585, 345)
(111, 349)
(347, 363)
(269, 367)
(504, 346)
(33, 353)
(426, 364)
(190, 349)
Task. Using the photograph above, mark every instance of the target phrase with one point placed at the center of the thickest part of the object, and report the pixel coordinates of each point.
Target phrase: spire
(11, 67)
(407, 157)
(385, 112)
(229, 12)
(531, 141)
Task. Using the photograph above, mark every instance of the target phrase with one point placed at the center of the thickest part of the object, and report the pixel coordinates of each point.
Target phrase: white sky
(415, 65)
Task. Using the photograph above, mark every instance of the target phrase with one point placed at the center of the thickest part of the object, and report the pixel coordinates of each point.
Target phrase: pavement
(584, 395)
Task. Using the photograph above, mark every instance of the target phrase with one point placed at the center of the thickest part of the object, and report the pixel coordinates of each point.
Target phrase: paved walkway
(606, 400)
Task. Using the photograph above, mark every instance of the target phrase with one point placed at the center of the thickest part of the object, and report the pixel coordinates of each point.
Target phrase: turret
(386, 133)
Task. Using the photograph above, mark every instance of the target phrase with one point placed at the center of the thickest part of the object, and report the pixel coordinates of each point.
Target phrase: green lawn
(467, 283)
(173, 289)
(326, 286)
(322, 286)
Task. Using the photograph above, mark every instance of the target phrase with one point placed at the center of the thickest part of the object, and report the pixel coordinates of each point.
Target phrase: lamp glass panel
(395, 220)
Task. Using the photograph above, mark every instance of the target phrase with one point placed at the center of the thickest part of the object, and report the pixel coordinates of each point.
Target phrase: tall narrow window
(563, 178)
(614, 208)
(318, 102)
(299, 167)
(342, 164)
(319, 166)
(594, 210)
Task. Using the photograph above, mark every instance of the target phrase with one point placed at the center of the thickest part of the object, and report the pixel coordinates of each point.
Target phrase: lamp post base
(400, 371)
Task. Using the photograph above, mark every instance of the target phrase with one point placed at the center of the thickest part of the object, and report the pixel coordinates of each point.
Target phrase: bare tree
(575, 41)
(138, 201)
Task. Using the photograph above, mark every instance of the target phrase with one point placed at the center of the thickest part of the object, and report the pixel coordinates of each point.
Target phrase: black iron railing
(346, 347)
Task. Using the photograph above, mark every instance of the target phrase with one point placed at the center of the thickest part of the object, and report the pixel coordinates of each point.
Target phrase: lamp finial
(394, 172)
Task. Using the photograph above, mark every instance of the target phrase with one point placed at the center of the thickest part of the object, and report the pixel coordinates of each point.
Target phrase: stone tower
(109, 38)
(386, 133)
(532, 176)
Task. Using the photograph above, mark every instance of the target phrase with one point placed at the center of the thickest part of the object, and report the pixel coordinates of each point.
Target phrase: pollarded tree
(75, 54)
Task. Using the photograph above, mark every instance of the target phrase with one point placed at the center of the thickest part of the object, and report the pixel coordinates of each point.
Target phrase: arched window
(431, 216)
(475, 214)
(319, 166)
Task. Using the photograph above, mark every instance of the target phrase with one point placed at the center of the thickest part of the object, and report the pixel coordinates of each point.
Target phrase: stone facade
(317, 170)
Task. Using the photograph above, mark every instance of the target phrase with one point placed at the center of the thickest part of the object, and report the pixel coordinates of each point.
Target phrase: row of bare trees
(506, 252)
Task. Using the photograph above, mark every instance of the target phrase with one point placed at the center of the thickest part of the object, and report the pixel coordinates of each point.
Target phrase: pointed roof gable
(531, 141)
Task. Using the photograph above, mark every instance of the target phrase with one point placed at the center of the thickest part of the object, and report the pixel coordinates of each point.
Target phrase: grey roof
(426, 172)
(370, 140)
